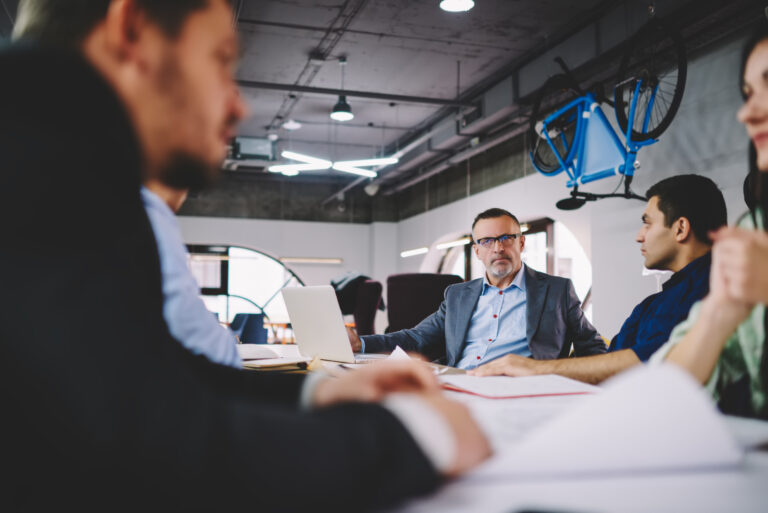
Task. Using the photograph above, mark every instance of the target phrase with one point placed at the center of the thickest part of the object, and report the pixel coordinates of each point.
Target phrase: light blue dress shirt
(189, 321)
(498, 325)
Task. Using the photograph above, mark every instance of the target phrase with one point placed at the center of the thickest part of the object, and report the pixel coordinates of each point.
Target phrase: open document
(504, 387)
(647, 419)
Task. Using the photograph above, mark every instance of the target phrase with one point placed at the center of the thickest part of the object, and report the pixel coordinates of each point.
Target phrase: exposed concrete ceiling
(414, 49)
(492, 56)
(398, 47)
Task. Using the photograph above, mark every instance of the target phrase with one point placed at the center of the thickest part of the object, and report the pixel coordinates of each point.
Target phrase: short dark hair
(68, 22)
(695, 197)
(492, 213)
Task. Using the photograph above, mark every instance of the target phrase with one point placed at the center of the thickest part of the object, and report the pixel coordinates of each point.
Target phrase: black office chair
(249, 328)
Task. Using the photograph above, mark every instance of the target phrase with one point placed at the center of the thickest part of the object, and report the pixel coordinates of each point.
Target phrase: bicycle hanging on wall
(569, 131)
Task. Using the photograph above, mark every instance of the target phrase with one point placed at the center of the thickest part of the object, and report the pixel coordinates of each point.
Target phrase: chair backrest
(238, 323)
(366, 304)
(414, 296)
(252, 330)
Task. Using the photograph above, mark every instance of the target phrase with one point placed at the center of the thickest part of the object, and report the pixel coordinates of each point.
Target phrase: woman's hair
(756, 183)
(756, 195)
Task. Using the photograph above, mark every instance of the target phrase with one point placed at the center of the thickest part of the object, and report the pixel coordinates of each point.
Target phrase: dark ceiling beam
(296, 88)
(377, 35)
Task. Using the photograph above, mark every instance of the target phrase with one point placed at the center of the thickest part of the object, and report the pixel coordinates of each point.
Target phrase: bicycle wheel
(555, 93)
(656, 58)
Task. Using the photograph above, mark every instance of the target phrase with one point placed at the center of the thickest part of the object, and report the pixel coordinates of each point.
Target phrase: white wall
(704, 138)
(351, 242)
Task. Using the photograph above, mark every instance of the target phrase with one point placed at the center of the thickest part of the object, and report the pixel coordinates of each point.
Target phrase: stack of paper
(261, 356)
(504, 387)
(647, 419)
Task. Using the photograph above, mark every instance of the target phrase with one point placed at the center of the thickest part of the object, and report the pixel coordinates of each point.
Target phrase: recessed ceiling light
(457, 5)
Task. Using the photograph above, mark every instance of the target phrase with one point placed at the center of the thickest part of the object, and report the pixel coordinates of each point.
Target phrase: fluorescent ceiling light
(311, 260)
(460, 242)
(457, 5)
(414, 252)
(308, 164)
(354, 166)
(340, 166)
(320, 163)
(291, 125)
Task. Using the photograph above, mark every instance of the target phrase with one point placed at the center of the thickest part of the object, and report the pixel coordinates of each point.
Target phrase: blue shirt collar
(152, 200)
(518, 282)
(695, 269)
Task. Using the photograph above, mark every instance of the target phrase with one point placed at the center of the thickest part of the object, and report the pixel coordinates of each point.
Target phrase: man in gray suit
(512, 310)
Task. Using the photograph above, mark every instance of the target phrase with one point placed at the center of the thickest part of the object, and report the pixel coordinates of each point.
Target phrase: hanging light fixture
(457, 5)
(342, 111)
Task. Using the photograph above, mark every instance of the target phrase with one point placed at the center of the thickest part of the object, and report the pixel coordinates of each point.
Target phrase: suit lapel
(464, 308)
(536, 293)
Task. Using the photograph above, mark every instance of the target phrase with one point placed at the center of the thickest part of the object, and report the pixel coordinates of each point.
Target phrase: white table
(742, 490)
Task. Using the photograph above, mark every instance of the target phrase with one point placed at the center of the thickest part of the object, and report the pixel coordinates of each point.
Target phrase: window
(236, 280)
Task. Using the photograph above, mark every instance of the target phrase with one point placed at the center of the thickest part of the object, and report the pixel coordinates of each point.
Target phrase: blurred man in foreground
(101, 405)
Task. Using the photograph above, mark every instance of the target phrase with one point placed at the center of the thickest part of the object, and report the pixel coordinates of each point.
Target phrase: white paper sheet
(507, 387)
(647, 419)
(260, 351)
(398, 354)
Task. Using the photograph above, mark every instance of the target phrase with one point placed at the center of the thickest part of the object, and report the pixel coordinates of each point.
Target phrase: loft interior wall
(351, 242)
(369, 249)
(705, 138)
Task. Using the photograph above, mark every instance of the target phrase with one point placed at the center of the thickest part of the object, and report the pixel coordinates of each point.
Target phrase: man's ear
(682, 229)
(124, 26)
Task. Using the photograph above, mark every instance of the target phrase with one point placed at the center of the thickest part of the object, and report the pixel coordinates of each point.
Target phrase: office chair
(366, 303)
(411, 297)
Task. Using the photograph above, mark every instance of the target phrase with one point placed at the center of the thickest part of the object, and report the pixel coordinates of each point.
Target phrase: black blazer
(101, 408)
(554, 321)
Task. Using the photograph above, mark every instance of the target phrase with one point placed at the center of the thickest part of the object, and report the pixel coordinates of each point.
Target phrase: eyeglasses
(506, 240)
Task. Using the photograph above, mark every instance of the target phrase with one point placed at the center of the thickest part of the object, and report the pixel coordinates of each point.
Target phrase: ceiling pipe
(252, 84)
(459, 158)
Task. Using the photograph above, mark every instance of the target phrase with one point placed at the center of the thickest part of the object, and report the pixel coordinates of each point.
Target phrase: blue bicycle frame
(596, 151)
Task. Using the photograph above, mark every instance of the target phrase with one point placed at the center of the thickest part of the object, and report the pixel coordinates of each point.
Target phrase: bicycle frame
(605, 155)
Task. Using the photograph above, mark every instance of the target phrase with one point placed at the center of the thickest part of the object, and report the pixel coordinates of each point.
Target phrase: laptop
(319, 326)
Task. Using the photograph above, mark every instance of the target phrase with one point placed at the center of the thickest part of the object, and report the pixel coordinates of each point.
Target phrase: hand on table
(507, 365)
(472, 447)
(375, 380)
(354, 340)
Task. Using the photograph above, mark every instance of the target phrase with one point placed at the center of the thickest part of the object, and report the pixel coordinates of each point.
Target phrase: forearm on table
(590, 369)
